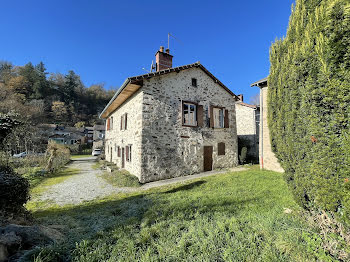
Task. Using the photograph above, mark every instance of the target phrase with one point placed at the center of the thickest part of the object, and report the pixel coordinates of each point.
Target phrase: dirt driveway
(89, 185)
(84, 186)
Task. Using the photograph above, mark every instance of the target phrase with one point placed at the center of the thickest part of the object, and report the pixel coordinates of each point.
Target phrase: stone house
(267, 158)
(248, 118)
(172, 122)
(98, 136)
(66, 139)
(89, 133)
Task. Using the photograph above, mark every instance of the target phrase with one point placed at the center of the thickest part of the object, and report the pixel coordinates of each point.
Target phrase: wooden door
(208, 158)
(123, 157)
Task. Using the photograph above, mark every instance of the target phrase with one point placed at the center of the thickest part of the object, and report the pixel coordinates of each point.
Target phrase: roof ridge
(246, 104)
(135, 79)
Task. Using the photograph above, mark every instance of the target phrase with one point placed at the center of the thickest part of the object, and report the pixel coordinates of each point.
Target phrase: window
(189, 114)
(118, 151)
(111, 127)
(194, 82)
(221, 149)
(123, 121)
(128, 153)
(218, 114)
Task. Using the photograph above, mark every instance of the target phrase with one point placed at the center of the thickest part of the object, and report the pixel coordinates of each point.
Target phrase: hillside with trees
(29, 95)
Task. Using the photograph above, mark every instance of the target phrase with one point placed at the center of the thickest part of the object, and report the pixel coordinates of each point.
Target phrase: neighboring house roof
(260, 82)
(56, 136)
(67, 136)
(99, 127)
(247, 105)
(47, 126)
(132, 84)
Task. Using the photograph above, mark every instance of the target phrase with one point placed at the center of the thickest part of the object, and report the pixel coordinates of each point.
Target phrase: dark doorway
(123, 157)
(111, 153)
(208, 158)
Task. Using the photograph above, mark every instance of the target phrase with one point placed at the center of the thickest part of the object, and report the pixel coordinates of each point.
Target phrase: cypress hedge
(309, 104)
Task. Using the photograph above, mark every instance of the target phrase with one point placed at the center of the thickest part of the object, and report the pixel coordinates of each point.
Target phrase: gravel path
(85, 186)
(88, 185)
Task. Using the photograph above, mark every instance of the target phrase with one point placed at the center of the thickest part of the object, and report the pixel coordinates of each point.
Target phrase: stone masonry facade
(161, 146)
(119, 139)
(268, 159)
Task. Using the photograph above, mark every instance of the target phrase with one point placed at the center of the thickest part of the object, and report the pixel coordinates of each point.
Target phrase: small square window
(194, 82)
(221, 149)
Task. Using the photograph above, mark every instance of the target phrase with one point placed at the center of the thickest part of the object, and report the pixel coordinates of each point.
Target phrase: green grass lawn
(228, 217)
(121, 178)
(38, 178)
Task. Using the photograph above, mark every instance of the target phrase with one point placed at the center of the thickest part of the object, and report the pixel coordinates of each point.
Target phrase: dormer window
(194, 82)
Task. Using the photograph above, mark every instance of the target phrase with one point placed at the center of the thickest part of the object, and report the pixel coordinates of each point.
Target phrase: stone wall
(247, 131)
(131, 136)
(268, 159)
(170, 149)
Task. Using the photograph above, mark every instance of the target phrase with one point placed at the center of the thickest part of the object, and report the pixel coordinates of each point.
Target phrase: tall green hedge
(309, 104)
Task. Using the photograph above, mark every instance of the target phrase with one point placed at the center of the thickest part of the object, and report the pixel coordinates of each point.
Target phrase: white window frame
(191, 119)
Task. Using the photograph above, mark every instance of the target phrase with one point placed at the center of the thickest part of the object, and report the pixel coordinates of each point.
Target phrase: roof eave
(260, 82)
(126, 82)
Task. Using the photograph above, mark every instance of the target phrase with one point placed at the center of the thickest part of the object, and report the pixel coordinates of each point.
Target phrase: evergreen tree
(309, 104)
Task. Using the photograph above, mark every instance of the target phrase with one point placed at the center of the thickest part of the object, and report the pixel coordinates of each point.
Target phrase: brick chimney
(164, 60)
(240, 97)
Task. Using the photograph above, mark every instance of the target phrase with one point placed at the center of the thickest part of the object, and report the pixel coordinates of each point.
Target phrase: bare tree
(255, 99)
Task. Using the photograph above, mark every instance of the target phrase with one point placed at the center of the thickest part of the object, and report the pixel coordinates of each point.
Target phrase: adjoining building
(98, 136)
(248, 118)
(172, 122)
(267, 158)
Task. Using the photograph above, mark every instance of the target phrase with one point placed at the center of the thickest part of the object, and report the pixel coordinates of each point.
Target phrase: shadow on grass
(130, 213)
(186, 187)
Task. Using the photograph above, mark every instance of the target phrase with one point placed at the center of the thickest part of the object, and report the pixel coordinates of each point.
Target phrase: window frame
(195, 113)
(223, 117)
(221, 149)
(123, 122)
(194, 82)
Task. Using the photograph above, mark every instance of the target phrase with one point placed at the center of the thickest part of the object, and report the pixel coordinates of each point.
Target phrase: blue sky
(107, 41)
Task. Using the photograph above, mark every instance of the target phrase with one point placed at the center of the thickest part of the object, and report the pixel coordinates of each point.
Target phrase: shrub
(59, 156)
(308, 104)
(243, 155)
(14, 190)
